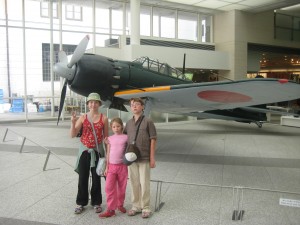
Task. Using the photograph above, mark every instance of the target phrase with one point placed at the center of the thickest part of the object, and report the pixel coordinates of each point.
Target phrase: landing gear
(258, 123)
(148, 106)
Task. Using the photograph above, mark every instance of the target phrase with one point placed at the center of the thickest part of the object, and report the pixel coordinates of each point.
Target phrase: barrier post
(158, 203)
(5, 135)
(22, 145)
(46, 161)
(237, 203)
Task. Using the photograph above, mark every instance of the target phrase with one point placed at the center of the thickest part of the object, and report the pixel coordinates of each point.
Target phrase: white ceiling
(214, 6)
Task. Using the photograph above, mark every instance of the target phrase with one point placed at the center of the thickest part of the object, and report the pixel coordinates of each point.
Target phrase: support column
(24, 61)
(135, 22)
(230, 31)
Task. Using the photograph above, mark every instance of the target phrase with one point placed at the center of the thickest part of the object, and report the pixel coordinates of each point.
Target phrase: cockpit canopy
(163, 68)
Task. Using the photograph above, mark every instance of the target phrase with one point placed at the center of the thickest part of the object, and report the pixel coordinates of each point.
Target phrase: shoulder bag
(101, 166)
(132, 152)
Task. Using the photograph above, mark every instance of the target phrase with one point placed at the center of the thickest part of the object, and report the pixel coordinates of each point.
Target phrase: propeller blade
(79, 51)
(64, 71)
(62, 56)
(183, 67)
(62, 99)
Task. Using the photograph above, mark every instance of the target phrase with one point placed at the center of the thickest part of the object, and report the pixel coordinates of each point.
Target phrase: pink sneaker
(107, 213)
(122, 209)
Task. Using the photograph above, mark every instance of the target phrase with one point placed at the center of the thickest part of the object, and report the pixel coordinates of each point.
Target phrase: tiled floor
(206, 169)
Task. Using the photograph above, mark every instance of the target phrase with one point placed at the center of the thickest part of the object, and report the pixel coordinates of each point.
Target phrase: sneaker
(107, 213)
(122, 209)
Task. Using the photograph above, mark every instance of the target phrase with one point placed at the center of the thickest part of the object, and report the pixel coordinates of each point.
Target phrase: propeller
(67, 69)
(183, 67)
(62, 99)
(79, 51)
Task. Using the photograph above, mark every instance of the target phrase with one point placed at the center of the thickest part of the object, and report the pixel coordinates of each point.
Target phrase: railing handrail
(43, 147)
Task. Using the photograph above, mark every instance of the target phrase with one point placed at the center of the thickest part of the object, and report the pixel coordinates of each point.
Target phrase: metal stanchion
(158, 203)
(237, 203)
(48, 150)
(22, 145)
(46, 162)
(5, 135)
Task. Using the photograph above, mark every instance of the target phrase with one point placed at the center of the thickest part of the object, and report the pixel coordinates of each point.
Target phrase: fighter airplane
(166, 89)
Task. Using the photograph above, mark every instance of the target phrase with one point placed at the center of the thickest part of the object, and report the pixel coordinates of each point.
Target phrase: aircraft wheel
(259, 124)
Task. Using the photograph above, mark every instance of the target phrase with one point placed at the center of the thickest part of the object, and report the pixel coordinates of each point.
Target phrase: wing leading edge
(200, 97)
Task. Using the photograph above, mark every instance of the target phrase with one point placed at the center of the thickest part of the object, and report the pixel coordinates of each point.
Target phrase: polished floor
(209, 172)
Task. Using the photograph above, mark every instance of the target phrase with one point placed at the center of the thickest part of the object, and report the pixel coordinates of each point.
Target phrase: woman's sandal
(78, 209)
(97, 208)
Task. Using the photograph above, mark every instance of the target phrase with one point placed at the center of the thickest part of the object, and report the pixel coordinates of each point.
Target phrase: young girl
(116, 172)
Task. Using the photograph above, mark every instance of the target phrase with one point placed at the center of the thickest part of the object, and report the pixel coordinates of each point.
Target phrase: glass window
(163, 68)
(16, 62)
(287, 27)
(187, 26)
(283, 34)
(145, 21)
(206, 29)
(73, 12)
(37, 14)
(128, 20)
(102, 20)
(109, 17)
(153, 65)
(14, 12)
(78, 17)
(2, 12)
(45, 9)
(282, 20)
(117, 19)
(164, 23)
(296, 25)
(296, 35)
(3, 60)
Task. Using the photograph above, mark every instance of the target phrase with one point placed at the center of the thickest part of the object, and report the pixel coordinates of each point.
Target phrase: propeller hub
(64, 71)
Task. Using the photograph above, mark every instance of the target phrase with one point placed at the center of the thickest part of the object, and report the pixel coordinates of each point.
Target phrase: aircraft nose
(64, 71)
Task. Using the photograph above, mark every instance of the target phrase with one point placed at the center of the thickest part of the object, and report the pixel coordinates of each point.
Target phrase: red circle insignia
(223, 96)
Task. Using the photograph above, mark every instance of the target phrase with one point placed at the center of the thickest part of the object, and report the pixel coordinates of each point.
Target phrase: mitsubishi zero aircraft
(166, 89)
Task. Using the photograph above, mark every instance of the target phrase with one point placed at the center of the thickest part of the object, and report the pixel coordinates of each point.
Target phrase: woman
(87, 156)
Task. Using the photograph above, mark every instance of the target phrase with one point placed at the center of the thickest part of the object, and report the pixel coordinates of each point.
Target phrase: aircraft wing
(201, 97)
(167, 89)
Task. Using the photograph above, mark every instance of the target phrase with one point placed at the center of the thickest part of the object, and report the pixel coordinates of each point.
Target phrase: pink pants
(115, 186)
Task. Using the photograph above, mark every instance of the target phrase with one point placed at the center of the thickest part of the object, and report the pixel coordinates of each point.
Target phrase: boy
(139, 171)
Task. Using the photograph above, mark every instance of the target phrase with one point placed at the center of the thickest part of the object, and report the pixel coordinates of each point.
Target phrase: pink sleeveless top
(87, 138)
